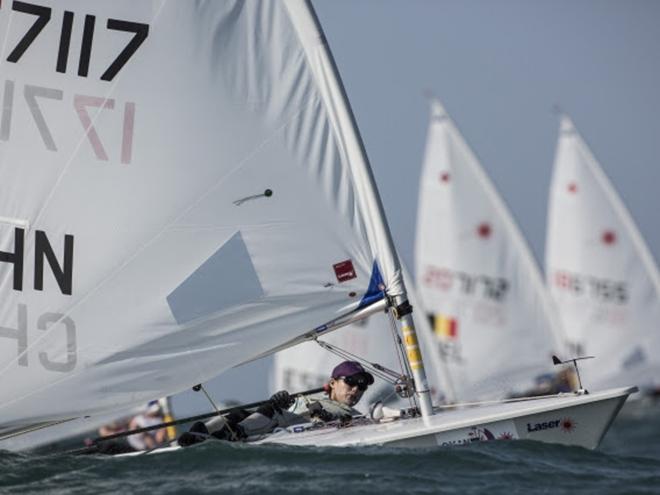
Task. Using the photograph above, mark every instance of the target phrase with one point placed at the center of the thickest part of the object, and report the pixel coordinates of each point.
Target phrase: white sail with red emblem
(183, 189)
(600, 272)
(476, 275)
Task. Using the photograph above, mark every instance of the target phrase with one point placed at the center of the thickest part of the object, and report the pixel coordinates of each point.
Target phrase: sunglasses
(360, 382)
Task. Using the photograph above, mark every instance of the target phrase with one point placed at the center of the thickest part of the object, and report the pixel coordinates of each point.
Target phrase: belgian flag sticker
(445, 327)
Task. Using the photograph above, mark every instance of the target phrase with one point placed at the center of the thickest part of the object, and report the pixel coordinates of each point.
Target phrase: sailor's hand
(281, 400)
(316, 411)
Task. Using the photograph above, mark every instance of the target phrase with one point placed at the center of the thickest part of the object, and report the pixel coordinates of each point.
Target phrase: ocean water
(628, 462)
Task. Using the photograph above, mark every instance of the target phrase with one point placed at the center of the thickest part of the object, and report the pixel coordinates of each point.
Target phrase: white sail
(600, 271)
(183, 188)
(476, 275)
(440, 375)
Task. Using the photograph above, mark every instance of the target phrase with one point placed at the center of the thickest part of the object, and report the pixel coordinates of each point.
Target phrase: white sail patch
(225, 279)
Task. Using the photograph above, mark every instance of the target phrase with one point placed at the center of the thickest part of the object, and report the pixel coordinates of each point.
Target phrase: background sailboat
(600, 271)
(476, 276)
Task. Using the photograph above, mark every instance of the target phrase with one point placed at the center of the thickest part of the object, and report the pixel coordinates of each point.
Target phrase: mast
(325, 70)
(403, 312)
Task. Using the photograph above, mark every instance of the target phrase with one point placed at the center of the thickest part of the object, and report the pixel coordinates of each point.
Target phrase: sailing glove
(281, 400)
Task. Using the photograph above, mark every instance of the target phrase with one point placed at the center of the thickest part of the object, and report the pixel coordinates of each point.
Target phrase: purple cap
(350, 368)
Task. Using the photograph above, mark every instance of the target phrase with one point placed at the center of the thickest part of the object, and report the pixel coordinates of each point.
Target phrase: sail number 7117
(42, 17)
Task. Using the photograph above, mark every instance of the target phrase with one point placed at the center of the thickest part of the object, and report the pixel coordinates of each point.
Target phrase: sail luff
(321, 60)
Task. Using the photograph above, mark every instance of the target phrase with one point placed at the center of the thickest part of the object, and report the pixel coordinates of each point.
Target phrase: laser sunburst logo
(568, 425)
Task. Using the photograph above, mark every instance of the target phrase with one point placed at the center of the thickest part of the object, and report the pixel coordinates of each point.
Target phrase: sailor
(348, 382)
(117, 446)
(152, 415)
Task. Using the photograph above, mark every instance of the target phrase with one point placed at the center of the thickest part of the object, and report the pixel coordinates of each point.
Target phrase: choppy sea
(628, 462)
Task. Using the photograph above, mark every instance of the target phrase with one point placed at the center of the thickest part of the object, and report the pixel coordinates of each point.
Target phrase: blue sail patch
(375, 290)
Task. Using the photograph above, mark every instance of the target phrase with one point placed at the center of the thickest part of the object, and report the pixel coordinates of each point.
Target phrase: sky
(499, 67)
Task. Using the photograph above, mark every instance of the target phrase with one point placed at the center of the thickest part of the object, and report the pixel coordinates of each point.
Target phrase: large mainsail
(600, 272)
(183, 188)
(475, 274)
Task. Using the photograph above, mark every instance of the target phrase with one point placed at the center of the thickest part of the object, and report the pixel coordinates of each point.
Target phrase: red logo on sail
(572, 187)
(609, 237)
(344, 271)
(484, 230)
(444, 177)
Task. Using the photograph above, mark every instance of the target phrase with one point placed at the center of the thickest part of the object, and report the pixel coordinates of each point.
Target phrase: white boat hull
(568, 419)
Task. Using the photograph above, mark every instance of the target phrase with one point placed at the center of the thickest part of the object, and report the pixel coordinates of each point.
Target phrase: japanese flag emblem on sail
(344, 271)
(484, 230)
(608, 238)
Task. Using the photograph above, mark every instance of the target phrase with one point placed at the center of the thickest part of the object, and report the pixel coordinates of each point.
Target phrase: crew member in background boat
(117, 446)
(152, 415)
(347, 384)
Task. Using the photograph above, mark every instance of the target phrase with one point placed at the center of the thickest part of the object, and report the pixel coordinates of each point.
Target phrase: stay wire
(390, 376)
(201, 387)
(398, 345)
